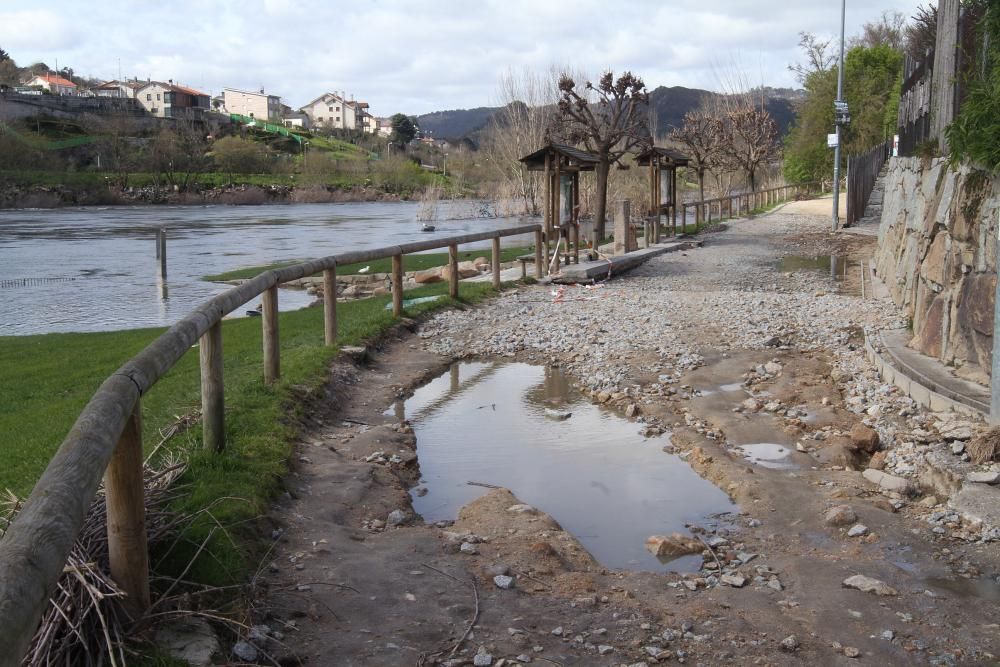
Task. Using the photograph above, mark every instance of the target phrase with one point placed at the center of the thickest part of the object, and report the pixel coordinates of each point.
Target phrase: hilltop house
(333, 111)
(254, 105)
(53, 83)
(168, 100)
(126, 89)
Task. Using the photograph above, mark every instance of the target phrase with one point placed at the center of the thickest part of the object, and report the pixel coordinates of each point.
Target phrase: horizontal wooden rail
(35, 546)
(745, 202)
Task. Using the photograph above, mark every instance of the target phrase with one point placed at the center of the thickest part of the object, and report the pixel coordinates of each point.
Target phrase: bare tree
(887, 30)
(818, 56)
(527, 102)
(751, 140)
(609, 119)
(702, 136)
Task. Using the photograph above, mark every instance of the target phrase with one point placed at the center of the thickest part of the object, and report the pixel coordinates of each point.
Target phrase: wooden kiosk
(663, 199)
(562, 165)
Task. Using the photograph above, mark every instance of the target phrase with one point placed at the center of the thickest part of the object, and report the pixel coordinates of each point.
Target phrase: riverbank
(45, 380)
(752, 371)
(14, 196)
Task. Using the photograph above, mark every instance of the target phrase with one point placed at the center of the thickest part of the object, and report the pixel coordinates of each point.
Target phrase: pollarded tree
(701, 135)
(751, 139)
(609, 119)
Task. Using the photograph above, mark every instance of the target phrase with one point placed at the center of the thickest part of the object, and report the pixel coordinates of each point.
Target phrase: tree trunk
(601, 205)
(701, 184)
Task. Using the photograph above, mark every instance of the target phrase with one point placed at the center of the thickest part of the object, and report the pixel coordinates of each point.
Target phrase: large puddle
(836, 267)
(500, 424)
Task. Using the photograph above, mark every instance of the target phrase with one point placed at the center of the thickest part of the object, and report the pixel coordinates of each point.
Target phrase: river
(94, 269)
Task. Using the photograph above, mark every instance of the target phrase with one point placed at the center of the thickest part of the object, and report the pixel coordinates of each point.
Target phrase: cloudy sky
(417, 57)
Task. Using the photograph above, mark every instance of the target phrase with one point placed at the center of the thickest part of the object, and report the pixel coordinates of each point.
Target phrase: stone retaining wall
(937, 255)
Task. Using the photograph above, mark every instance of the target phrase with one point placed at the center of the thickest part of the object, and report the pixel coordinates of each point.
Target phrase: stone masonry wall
(938, 256)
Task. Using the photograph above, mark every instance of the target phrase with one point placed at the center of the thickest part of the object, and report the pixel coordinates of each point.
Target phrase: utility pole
(838, 103)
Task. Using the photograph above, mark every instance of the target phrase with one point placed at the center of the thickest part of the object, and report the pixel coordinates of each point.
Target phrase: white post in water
(995, 372)
(840, 98)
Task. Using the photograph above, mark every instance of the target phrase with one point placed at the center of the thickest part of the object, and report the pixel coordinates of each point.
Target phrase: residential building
(169, 100)
(295, 119)
(53, 83)
(255, 105)
(384, 126)
(116, 88)
(334, 111)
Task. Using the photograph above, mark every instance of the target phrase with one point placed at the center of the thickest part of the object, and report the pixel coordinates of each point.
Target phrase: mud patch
(486, 422)
(769, 455)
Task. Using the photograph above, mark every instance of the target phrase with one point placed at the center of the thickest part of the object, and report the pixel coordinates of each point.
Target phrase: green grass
(45, 381)
(416, 262)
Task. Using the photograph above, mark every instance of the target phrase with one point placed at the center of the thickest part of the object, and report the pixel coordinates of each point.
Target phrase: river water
(94, 269)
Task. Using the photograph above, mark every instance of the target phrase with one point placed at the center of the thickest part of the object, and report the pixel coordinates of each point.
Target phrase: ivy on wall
(975, 134)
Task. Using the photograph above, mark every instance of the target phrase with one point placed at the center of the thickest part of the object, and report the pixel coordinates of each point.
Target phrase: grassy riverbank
(45, 381)
(417, 262)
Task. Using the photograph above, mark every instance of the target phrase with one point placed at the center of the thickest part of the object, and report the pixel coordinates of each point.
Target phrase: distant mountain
(670, 104)
(456, 123)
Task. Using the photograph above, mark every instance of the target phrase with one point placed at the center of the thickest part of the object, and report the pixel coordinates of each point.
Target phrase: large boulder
(428, 276)
(864, 438)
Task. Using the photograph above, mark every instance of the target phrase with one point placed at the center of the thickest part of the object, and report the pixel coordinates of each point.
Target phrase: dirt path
(357, 579)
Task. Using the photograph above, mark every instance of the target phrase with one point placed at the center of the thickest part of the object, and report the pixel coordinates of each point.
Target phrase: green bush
(975, 133)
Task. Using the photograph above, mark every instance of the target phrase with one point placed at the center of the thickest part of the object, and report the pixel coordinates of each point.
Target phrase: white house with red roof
(53, 83)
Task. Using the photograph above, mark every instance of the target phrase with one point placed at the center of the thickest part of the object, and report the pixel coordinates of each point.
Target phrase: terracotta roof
(188, 91)
(55, 79)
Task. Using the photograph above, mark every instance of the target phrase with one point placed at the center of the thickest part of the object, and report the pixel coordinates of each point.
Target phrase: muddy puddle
(832, 265)
(769, 455)
(505, 424)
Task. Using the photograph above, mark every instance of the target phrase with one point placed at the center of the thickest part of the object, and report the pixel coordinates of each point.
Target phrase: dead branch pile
(984, 447)
(85, 622)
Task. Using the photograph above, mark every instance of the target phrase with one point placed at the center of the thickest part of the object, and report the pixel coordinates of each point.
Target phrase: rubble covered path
(846, 550)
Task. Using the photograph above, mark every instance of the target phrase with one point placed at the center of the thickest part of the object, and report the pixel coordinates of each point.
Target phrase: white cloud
(417, 56)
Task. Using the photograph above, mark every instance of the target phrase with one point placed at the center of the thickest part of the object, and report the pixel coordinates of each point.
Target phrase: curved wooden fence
(106, 440)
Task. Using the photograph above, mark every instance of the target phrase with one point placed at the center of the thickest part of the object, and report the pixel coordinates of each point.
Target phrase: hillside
(670, 104)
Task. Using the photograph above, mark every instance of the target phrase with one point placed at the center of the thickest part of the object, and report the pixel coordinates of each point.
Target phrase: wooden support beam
(453, 271)
(496, 263)
(397, 285)
(675, 197)
(213, 401)
(539, 267)
(124, 498)
(272, 349)
(330, 306)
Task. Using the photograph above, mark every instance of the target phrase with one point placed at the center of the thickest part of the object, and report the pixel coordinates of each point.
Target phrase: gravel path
(728, 294)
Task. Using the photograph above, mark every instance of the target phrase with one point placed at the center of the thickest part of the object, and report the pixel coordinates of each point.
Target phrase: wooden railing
(106, 440)
(733, 206)
(862, 172)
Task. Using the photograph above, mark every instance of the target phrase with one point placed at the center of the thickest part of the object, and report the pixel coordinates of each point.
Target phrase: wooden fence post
(453, 271)
(213, 401)
(539, 267)
(269, 322)
(330, 306)
(496, 262)
(163, 253)
(397, 285)
(124, 498)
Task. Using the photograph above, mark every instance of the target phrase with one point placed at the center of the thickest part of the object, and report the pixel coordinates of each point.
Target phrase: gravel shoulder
(717, 347)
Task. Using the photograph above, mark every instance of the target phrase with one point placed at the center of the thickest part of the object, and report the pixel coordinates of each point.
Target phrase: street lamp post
(837, 121)
(445, 168)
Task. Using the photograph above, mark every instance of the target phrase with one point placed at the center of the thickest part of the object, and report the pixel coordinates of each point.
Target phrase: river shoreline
(62, 196)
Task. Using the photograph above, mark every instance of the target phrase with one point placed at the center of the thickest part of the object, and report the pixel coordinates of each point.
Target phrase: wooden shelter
(663, 199)
(562, 165)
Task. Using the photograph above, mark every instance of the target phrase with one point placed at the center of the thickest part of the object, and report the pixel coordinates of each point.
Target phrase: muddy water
(836, 267)
(610, 487)
(94, 269)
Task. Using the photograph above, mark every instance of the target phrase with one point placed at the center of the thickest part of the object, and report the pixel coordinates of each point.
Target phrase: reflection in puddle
(986, 589)
(486, 422)
(835, 266)
(768, 455)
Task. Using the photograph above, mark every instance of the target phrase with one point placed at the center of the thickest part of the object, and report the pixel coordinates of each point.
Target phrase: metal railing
(732, 206)
(106, 440)
(862, 172)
